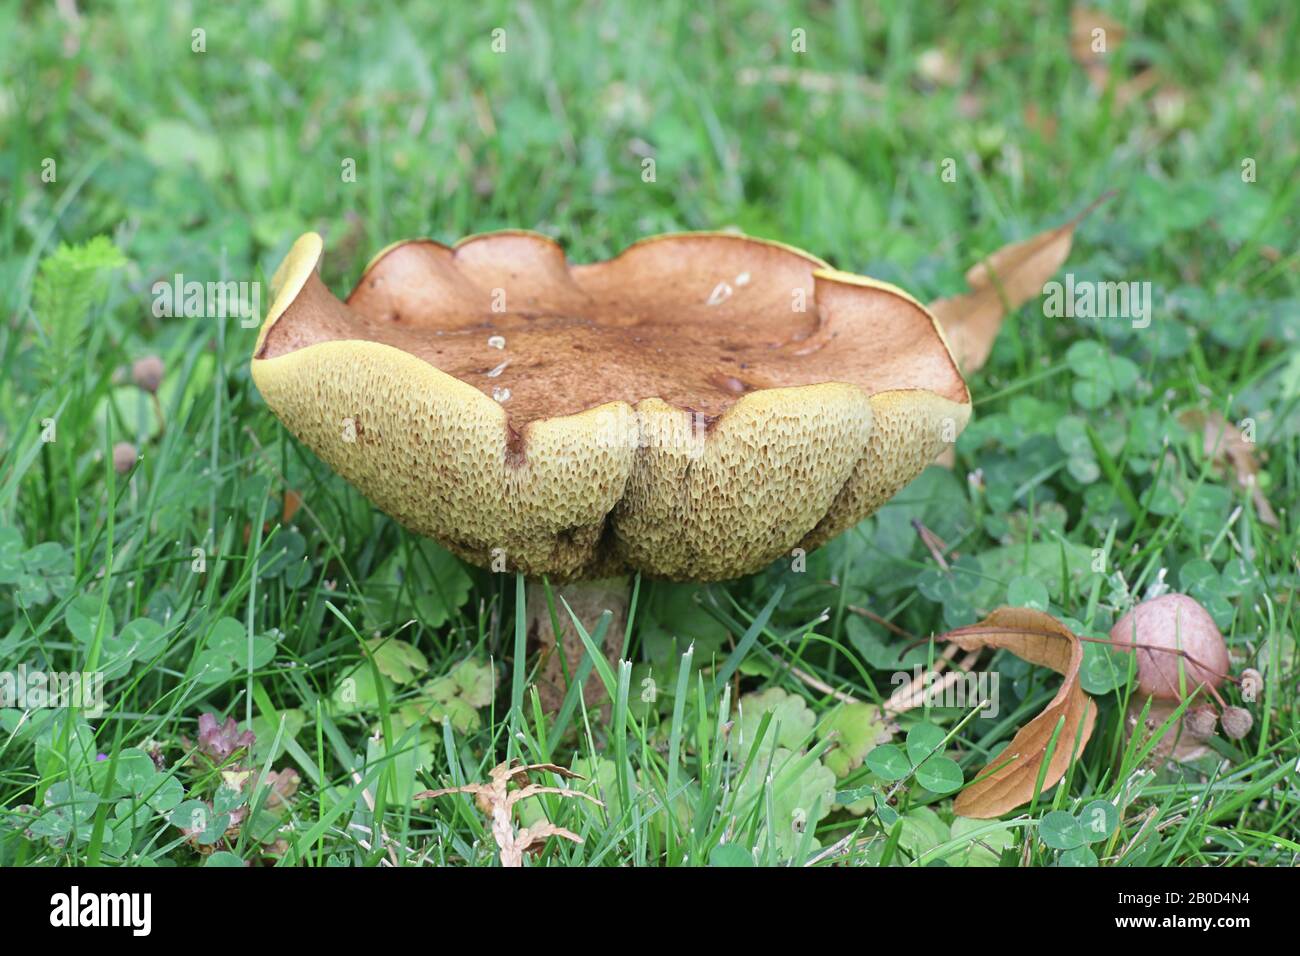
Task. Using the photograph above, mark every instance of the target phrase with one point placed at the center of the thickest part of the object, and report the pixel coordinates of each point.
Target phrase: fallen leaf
(1041, 121)
(1224, 443)
(531, 838)
(1039, 639)
(292, 502)
(1093, 36)
(497, 801)
(999, 285)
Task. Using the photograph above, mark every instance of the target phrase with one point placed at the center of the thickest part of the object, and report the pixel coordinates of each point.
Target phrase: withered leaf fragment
(999, 285)
(496, 801)
(1225, 444)
(1040, 639)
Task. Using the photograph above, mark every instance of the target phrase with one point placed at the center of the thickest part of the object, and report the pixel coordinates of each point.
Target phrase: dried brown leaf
(1039, 639)
(1093, 36)
(497, 801)
(292, 502)
(532, 838)
(1041, 121)
(1224, 443)
(519, 774)
(999, 285)
(533, 790)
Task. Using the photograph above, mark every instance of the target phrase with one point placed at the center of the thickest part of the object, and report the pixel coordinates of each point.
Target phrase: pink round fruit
(1163, 626)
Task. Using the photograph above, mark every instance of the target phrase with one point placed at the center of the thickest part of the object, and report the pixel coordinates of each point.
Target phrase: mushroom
(124, 457)
(1179, 651)
(693, 408)
(147, 373)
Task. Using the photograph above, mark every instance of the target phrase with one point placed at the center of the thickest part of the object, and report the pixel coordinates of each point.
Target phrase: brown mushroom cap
(1173, 621)
(692, 408)
(147, 373)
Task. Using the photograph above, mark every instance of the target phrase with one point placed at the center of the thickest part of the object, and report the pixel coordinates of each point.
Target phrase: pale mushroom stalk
(585, 422)
(587, 600)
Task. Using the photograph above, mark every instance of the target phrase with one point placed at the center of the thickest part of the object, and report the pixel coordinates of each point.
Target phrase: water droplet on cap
(721, 292)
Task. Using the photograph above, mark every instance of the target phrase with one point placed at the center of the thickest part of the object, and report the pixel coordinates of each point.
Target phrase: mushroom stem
(588, 600)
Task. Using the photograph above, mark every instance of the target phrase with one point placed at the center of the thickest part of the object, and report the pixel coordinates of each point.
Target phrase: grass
(231, 573)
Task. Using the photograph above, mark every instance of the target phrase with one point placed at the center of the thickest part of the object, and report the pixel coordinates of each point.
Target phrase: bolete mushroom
(1179, 650)
(693, 408)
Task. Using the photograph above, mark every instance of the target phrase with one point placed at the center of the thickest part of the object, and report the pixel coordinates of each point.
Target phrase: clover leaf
(37, 574)
(1099, 373)
(1061, 831)
(1099, 819)
(229, 651)
(141, 639)
(68, 814)
(923, 757)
